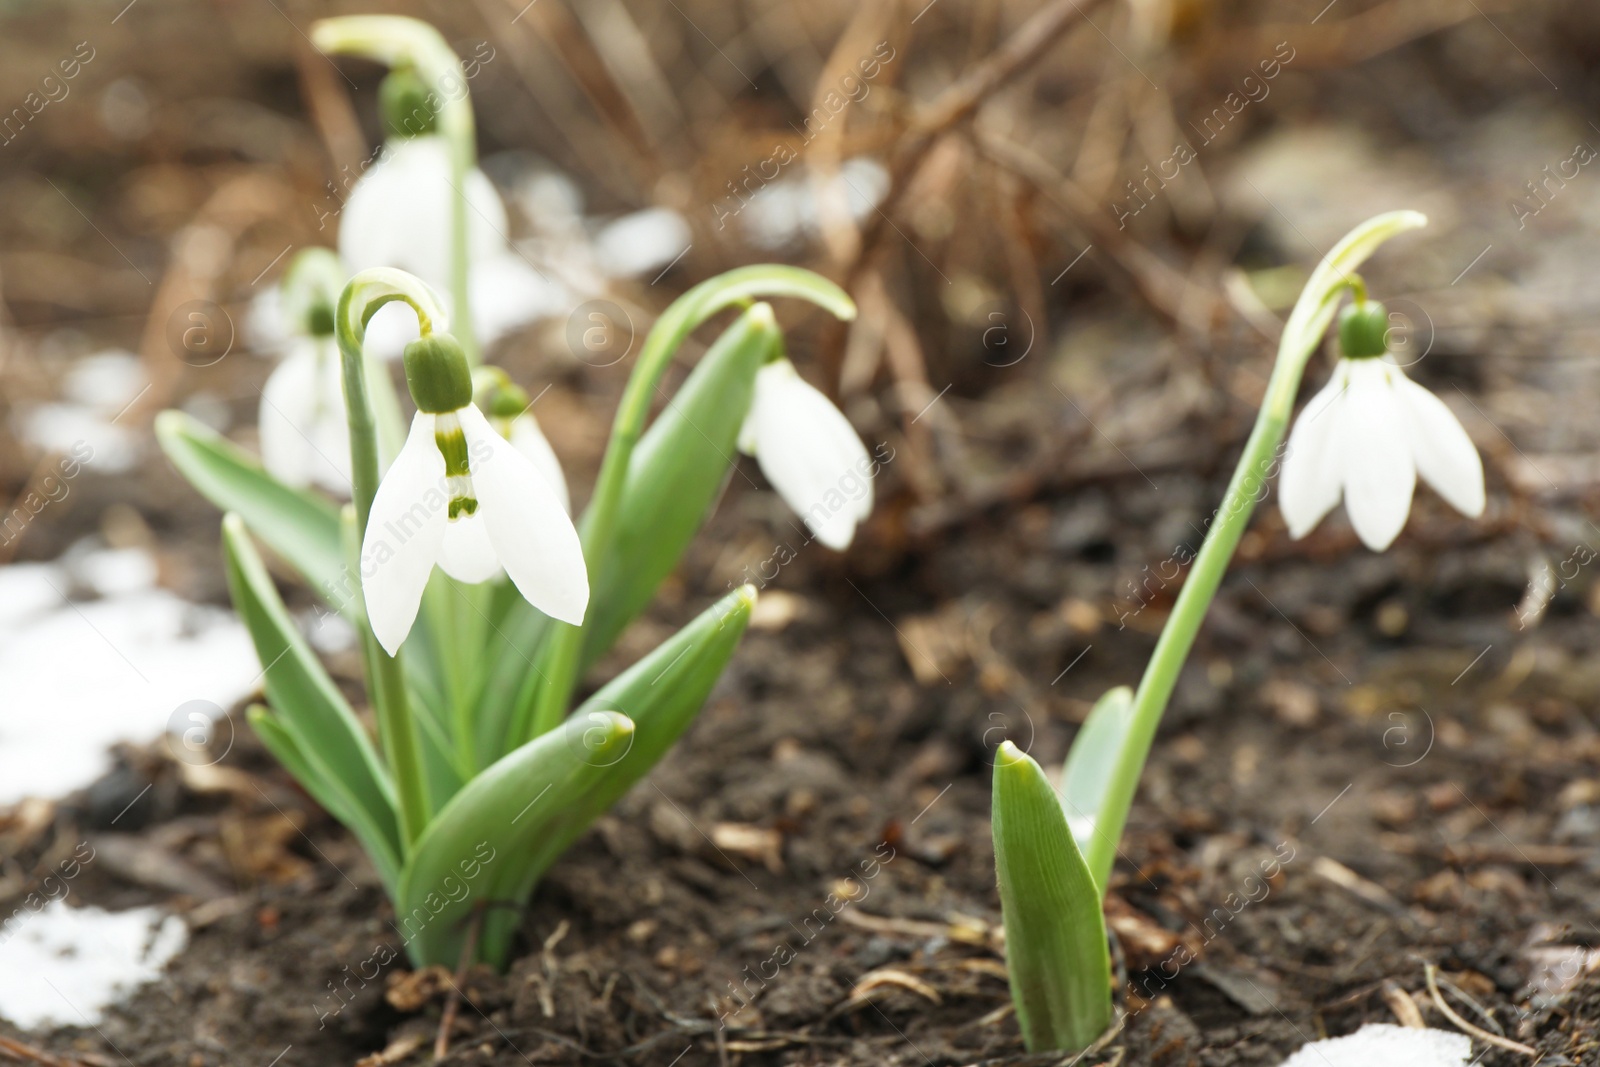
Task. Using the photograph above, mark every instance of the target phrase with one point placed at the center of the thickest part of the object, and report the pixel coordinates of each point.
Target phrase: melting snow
(82, 674)
(63, 966)
(1384, 1045)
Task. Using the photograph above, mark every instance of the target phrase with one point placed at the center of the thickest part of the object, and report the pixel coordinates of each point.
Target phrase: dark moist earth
(1368, 769)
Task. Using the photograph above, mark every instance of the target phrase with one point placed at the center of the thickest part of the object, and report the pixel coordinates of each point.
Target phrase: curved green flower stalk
(1309, 320)
(552, 687)
(1049, 846)
(360, 300)
(404, 43)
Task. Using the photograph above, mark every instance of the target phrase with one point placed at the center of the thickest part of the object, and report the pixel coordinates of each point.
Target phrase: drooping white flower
(1366, 436)
(810, 453)
(305, 439)
(461, 496)
(399, 213)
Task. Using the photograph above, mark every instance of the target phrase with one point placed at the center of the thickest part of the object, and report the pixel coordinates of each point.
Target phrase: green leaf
(676, 474)
(1056, 951)
(281, 743)
(499, 832)
(663, 692)
(301, 527)
(1086, 779)
(658, 697)
(335, 757)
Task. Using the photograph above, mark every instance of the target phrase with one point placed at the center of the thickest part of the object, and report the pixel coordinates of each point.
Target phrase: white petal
(527, 438)
(1380, 474)
(399, 213)
(1445, 455)
(466, 554)
(1312, 477)
(302, 423)
(532, 535)
(404, 534)
(810, 453)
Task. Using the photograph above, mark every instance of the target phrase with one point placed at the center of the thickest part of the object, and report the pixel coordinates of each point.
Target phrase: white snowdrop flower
(461, 496)
(1367, 436)
(1386, 1045)
(399, 213)
(810, 453)
(305, 439)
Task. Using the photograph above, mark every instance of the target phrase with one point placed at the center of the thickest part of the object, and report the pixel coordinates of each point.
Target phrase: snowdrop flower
(462, 496)
(400, 215)
(509, 413)
(810, 453)
(304, 437)
(1367, 436)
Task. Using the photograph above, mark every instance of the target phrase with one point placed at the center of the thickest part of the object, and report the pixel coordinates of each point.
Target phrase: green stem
(1309, 320)
(546, 691)
(364, 294)
(1177, 637)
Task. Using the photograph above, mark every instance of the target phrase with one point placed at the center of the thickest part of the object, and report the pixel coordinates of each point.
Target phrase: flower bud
(403, 101)
(437, 372)
(1364, 330)
(506, 401)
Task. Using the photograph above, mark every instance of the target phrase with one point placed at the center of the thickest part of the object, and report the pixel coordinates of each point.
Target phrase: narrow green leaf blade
(499, 832)
(301, 527)
(1056, 950)
(1086, 778)
(281, 743)
(676, 474)
(329, 739)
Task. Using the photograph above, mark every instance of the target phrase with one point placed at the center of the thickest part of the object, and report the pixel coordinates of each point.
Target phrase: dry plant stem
(1162, 287)
(1476, 1032)
(28, 1054)
(1026, 45)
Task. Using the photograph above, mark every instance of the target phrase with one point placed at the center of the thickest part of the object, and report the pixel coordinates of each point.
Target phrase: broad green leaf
(282, 745)
(334, 750)
(1056, 951)
(1086, 779)
(491, 834)
(301, 527)
(676, 474)
(658, 698)
(663, 692)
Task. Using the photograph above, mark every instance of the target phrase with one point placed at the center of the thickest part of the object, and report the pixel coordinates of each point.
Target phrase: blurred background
(1072, 227)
